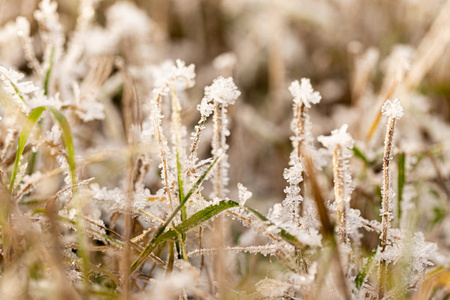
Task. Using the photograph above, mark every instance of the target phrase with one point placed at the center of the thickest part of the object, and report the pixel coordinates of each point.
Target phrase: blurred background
(344, 46)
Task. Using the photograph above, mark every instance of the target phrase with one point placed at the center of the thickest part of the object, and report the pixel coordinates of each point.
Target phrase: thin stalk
(339, 192)
(153, 243)
(163, 154)
(386, 201)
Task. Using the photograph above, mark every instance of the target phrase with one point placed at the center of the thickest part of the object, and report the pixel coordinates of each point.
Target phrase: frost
(91, 111)
(244, 194)
(303, 92)
(293, 175)
(167, 73)
(41, 100)
(222, 90)
(14, 85)
(115, 196)
(392, 109)
(205, 108)
(338, 137)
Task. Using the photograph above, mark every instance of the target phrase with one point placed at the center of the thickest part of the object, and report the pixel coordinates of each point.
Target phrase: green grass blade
(202, 216)
(33, 117)
(359, 154)
(49, 72)
(361, 277)
(68, 141)
(197, 219)
(282, 233)
(401, 181)
(152, 245)
(180, 187)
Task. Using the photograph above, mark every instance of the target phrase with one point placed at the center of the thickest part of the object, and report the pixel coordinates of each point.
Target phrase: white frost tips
(244, 194)
(222, 90)
(392, 109)
(167, 73)
(338, 137)
(304, 92)
(205, 108)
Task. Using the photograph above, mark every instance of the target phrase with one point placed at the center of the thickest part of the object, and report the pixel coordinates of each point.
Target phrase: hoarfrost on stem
(222, 90)
(303, 92)
(392, 109)
(178, 74)
(244, 194)
(338, 137)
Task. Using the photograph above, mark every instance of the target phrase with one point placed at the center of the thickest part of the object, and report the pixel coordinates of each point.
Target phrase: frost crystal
(222, 90)
(205, 108)
(304, 92)
(167, 73)
(14, 85)
(392, 109)
(244, 194)
(293, 175)
(338, 137)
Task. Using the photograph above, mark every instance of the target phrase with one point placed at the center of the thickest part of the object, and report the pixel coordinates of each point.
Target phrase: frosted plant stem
(177, 136)
(196, 139)
(217, 147)
(163, 154)
(386, 204)
(386, 200)
(339, 192)
(300, 116)
(302, 110)
(394, 111)
(218, 192)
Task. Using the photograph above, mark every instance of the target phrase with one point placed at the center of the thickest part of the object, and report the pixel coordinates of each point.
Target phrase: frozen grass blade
(327, 226)
(400, 182)
(361, 277)
(31, 121)
(197, 219)
(152, 245)
(68, 141)
(359, 154)
(48, 73)
(34, 116)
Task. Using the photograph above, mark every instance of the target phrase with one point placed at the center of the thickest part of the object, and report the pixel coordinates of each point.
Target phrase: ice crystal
(14, 85)
(293, 175)
(167, 73)
(392, 109)
(244, 194)
(222, 90)
(303, 92)
(205, 107)
(338, 137)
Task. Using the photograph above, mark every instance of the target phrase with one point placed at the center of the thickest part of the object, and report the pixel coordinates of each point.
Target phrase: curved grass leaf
(401, 181)
(282, 233)
(197, 219)
(68, 141)
(152, 245)
(361, 277)
(200, 217)
(359, 154)
(27, 128)
(31, 121)
(49, 72)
